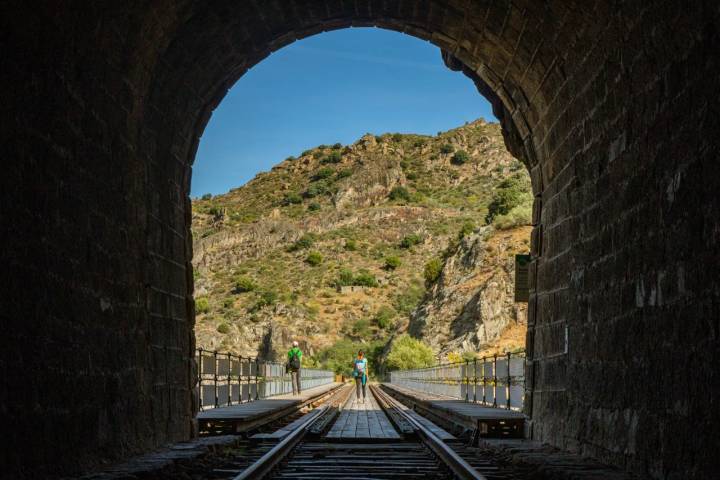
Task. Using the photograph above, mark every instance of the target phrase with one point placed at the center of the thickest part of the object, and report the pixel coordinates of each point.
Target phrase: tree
(333, 157)
(384, 318)
(510, 193)
(409, 353)
(207, 196)
(460, 157)
(314, 258)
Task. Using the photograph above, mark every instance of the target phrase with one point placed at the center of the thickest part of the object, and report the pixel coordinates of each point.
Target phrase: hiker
(360, 372)
(293, 366)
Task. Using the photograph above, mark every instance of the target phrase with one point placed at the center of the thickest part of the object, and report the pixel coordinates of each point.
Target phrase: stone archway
(610, 107)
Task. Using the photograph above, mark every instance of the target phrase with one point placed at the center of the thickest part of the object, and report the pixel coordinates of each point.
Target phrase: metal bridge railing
(497, 381)
(225, 379)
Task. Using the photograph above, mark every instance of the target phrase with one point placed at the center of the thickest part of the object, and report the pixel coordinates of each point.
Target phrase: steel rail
(265, 464)
(457, 464)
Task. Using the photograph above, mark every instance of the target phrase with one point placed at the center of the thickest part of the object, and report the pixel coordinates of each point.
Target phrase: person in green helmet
(293, 366)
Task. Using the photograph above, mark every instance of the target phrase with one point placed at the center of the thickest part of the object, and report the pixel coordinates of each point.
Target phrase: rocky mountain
(338, 243)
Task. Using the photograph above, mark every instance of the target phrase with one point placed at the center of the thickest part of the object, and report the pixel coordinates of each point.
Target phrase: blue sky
(332, 87)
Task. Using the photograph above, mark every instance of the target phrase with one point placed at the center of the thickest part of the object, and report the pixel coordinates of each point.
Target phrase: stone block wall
(611, 105)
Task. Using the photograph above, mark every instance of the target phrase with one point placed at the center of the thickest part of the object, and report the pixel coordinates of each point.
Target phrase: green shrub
(323, 173)
(333, 157)
(228, 302)
(350, 244)
(337, 146)
(317, 154)
(291, 199)
(315, 189)
(397, 137)
(446, 148)
(460, 157)
(314, 207)
(467, 228)
(266, 298)
(411, 176)
(509, 193)
(365, 279)
(202, 305)
(392, 262)
(306, 241)
(361, 328)
(432, 270)
(518, 216)
(384, 318)
(410, 240)
(408, 353)
(243, 284)
(343, 173)
(223, 328)
(399, 193)
(306, 153)
(314, 258)
(207, 196)
(405, 302)
(290, 158)
(345, 278)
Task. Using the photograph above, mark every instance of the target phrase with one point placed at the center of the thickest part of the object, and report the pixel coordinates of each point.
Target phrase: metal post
(484, 380)
(257, 388)
(215, 378)
(229, 379)
(475, 380)
(467, 382)
(199, 379)
(509, 380)
(495, 380)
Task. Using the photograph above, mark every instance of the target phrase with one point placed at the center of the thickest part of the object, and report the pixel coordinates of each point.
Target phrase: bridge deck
(498, 422)
(247, 416)
(363, 421)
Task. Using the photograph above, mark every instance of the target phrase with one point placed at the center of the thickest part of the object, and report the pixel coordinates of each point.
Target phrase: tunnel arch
(609, 104)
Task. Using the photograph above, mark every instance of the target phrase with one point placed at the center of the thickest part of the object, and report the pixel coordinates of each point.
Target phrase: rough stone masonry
(613, 106)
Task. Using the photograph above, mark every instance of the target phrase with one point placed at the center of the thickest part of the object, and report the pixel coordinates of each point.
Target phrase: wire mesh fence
(225, 379)
(497, 381)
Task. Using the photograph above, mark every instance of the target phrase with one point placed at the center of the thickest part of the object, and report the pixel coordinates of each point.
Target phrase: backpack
(359, 369)
(294, 362)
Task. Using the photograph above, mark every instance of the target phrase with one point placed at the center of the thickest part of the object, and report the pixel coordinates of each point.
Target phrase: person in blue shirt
(360, 372)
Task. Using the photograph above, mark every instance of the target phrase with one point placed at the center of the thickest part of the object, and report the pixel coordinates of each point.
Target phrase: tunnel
(612, 106)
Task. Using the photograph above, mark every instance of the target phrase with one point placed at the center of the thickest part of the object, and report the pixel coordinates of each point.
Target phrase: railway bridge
(612, 106)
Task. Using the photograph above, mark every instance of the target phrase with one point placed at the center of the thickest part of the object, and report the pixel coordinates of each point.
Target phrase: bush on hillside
(397, 137)
(350, 244)
(265, 299)
(202, 305)
(399, 193)
(361, 328)
(337, 146)
(408, 353)
(207, 196)
(243, 284)
(460, 157)
(407, 300)
(509, 193)
(432, 271)
(518, 216)
(446, 148)
(410, 241)
(333, 157)
(223, 328)
(306, 241)
(365, 279)
(323, 173)
(291, 199)
(343, 173)
(392, 262)
(384, 318)
(314, 258)
(467, 228)
(316, 189)
(314, 207)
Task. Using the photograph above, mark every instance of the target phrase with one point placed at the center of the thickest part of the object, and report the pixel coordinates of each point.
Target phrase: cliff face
(332, 245)
(471, 307)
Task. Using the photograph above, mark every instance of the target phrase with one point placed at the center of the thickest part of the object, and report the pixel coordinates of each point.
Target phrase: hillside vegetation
(340, 246)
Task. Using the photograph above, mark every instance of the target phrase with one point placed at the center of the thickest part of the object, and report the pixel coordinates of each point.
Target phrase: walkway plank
(363, 420)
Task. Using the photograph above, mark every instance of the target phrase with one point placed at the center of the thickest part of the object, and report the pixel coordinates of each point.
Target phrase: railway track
(302, 456)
